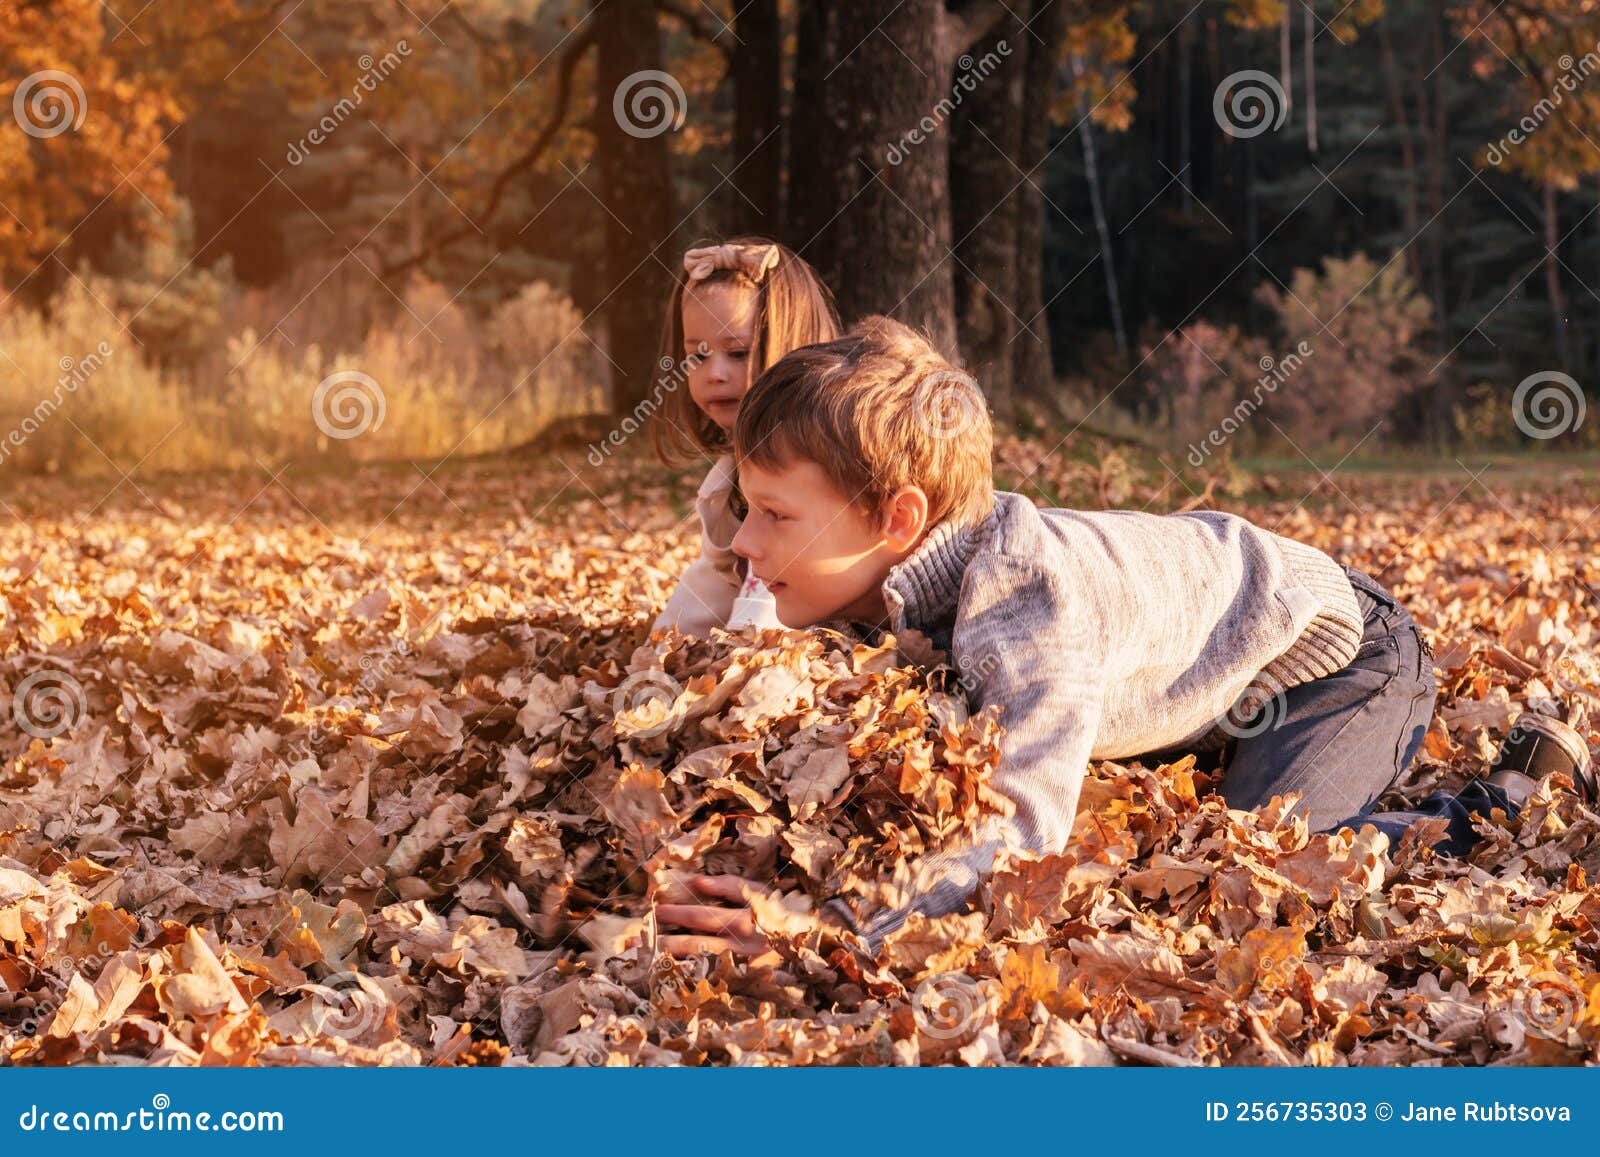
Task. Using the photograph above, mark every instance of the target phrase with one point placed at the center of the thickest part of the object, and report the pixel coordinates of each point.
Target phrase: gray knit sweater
(1103, 635)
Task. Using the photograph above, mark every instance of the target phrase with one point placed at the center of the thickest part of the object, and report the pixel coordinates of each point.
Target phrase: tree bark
(757, 67)
(1311, 78)
(636, 187)
(1185, 99)
(1408, 149)
(1434, 120)
(1101, 225)
(1033, 369)
(1286, 59)
(882, 183)
(1552, 274)
(803, 221)
(986, 202)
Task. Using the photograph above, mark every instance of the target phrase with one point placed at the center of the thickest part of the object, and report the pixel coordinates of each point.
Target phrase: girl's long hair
(793, 309)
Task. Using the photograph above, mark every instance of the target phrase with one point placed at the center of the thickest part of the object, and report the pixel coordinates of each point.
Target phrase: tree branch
(476, 34)
(965, 23)
(570, 56)
(697, 27)
(159, 48)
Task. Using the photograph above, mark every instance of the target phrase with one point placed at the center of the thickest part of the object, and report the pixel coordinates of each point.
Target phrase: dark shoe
(1537, 746)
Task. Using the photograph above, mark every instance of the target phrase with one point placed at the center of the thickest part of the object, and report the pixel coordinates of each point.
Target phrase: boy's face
(822, 557)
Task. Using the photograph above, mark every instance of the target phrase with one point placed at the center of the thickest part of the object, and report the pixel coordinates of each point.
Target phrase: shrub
(77, 394)
(1364, 323)
(538, 335)
(171, 303)
(444, 382)
(460, 385)
(1197, 376)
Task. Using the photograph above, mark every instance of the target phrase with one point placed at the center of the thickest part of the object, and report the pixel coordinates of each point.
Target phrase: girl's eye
(738, 355)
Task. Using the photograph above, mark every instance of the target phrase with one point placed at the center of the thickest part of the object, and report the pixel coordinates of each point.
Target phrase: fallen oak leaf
(816, 780)
(315, 933)
(198, 985)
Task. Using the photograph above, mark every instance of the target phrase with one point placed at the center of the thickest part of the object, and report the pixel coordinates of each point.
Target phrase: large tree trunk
(757, 144)
(636, 187)
(1408, 150)
(1032, 369)
(1185, 105)
(882, 179)
(1310, 47)
(1434, 119)
(1552, 274)
(986, 203)
(803, 218)
(1102, 226)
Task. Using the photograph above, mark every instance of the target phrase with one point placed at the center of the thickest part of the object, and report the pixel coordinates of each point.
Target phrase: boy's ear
(906, 517)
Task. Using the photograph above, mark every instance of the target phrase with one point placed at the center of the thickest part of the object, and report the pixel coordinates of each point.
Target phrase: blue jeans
(1346, 738)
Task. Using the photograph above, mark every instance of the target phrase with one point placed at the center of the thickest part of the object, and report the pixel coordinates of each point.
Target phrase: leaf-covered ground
(382, 767)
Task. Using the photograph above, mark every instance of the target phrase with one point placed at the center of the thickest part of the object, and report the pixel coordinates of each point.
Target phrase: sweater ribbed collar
(923, 590)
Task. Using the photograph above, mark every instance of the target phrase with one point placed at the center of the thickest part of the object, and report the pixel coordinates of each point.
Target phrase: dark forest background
(1122, 215)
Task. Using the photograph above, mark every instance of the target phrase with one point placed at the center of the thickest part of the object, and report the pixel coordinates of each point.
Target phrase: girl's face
(719, 326)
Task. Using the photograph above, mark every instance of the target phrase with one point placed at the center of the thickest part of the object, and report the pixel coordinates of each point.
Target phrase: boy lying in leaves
(866, 464)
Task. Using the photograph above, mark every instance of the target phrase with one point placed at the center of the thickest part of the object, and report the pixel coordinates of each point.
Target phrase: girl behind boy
(735, 310)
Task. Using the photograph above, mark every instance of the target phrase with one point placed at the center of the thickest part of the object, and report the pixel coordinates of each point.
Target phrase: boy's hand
(728, 925)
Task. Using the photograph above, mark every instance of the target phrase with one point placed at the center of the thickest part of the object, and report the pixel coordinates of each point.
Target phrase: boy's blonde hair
(877, 409)
(793, 308)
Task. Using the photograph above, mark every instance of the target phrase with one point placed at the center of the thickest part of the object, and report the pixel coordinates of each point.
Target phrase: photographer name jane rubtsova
(1409, 1112)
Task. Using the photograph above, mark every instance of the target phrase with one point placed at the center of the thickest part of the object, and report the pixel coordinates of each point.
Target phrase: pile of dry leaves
(387, 769)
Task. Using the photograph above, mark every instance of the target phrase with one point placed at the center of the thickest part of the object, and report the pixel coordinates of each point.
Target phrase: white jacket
(705, 595)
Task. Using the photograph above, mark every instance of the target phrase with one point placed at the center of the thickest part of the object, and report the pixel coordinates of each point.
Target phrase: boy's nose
(741, 544)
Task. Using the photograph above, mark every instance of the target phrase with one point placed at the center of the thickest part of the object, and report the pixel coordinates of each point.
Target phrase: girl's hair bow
(754, 261)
